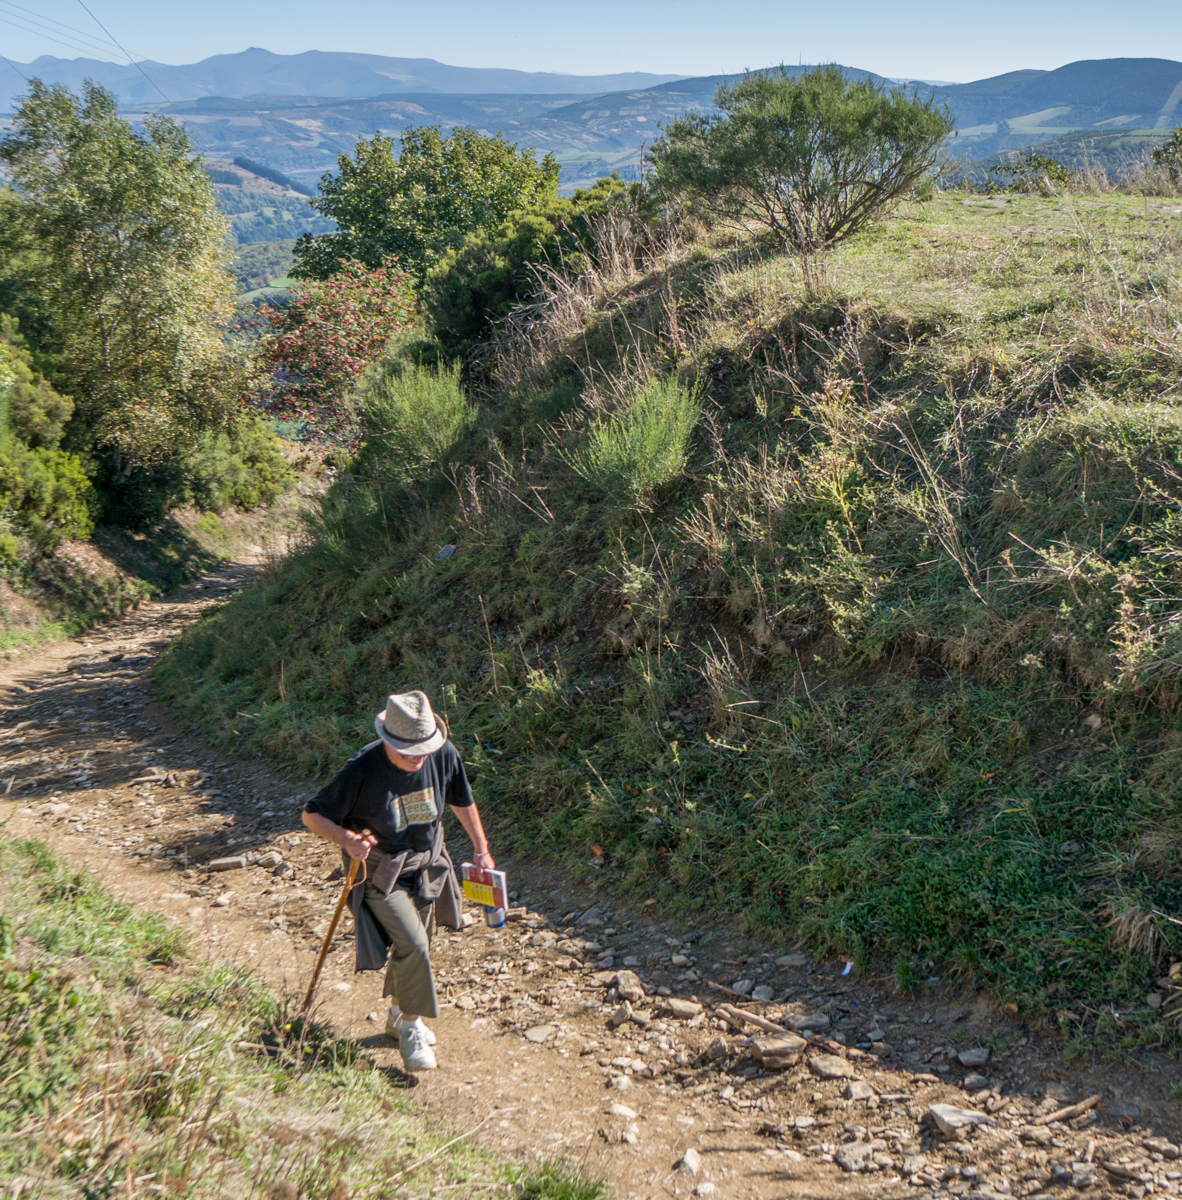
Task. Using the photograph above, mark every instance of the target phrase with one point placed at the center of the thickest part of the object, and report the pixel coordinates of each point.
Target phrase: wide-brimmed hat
(408, 724)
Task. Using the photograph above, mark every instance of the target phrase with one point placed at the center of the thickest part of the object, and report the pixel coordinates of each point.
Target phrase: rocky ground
(674, 1060)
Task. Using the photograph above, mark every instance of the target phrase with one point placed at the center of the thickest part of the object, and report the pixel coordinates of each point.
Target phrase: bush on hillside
(629, 457)
(413, 418)
(493, 272)
(807, 159)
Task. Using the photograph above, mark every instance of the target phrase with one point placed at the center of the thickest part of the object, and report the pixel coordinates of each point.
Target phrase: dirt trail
(527, 1056)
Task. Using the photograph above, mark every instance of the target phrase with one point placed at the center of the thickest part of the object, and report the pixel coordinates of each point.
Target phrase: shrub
(317, 346)
(43, 488)
(242, 467)
(1039, 173)
(632, 455)
(47, 491)
(36, 413)
(493, 272)
(808, 158)
(413, 418)
(1169, 156)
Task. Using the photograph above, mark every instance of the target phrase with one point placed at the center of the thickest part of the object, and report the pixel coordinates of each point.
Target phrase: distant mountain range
(298, 112)
(256, 72)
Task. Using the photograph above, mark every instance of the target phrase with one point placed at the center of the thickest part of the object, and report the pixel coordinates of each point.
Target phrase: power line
(49, 36)
(161, 68)
(129, 58)
(200, 141)
(14, 67)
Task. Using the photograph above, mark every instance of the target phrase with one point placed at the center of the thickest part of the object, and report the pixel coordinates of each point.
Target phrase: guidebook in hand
(489, 888)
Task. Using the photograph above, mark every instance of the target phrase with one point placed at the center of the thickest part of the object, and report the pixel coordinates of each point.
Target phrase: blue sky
(951, 40)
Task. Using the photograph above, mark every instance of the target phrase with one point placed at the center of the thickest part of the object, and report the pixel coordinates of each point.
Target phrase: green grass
(129, 1060)
(891, 668)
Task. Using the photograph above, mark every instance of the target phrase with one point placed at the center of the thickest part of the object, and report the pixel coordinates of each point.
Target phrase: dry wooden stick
(729, 1010)
(332, 928)
(1065, 1114)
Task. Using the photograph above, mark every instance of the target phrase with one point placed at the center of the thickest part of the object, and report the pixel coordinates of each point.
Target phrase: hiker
(385, 806)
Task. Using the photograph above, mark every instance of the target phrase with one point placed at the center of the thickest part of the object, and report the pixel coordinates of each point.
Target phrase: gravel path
(586, 1029)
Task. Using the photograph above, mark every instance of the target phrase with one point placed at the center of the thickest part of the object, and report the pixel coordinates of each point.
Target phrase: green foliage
(1034, 172)
(260, 264)
(218, 175)
(36, 413)
(412, 419)
(559, 1181)
(417, 206)
(810, 159)
(240, 467)
(494, 271)
(43, 490)
(628, 457)
(268, 217)
(1169, 156)
(132, 249)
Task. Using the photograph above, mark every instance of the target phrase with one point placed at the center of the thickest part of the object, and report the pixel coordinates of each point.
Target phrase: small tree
(422, 203)
(808, 158)
(315, 347)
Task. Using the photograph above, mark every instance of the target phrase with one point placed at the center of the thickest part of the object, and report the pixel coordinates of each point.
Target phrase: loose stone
(690, 1162)
(829, 1066)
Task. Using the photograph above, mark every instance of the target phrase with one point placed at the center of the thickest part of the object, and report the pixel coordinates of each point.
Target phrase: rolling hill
(316, 105)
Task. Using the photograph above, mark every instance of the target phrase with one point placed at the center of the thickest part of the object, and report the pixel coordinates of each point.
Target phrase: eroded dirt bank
(528, 1056)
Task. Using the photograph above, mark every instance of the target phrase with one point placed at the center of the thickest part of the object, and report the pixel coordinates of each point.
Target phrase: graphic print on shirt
(415, 808)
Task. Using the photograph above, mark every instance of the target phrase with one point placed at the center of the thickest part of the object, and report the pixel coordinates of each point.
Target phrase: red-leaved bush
(313, 349)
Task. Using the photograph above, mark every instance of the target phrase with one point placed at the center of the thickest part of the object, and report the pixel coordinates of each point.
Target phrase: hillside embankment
(162, 1058)
(889, 671)
(83, 583)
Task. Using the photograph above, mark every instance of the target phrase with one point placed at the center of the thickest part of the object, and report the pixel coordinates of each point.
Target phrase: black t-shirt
(401, 807)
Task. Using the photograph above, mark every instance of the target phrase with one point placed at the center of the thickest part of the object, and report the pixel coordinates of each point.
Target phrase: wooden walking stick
(332, 928)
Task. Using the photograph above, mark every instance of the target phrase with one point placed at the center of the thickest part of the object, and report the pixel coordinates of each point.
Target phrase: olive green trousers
(409, 924)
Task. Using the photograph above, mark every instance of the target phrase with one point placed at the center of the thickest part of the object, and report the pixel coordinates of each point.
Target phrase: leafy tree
(130, 256)
(808, 159)
(315, 347)
(422, 203)
(493, 271)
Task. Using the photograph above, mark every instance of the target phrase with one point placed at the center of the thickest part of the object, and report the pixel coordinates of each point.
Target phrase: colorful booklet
(489, 888)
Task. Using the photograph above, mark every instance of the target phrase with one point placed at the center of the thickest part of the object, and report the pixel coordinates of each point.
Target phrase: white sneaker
(394, 1026)
(417, 1054)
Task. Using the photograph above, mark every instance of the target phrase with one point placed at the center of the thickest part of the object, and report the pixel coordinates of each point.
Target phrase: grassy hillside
(136, 1069)
(891, 669)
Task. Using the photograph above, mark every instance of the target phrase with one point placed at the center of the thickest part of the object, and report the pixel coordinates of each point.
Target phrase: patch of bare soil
(538, 1053)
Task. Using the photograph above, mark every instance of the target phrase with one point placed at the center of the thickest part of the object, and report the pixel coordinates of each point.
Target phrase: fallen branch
(729, 1011)
(721, 987)
(1065, 1114)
